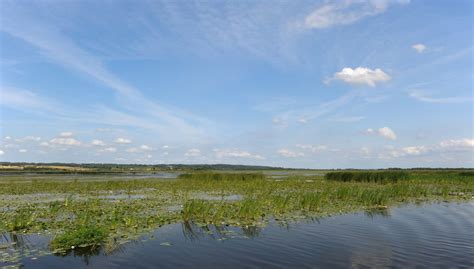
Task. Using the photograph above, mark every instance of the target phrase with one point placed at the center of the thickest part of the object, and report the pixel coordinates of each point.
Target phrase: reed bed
(371, 176)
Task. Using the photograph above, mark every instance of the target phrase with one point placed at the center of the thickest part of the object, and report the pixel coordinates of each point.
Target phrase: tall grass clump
(467, 174)
(85, 236)
(222, 176)
(370, 176)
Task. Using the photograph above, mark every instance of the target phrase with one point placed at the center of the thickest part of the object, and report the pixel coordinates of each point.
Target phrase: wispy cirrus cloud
(421, 96)
(335, 13)
(56, 46)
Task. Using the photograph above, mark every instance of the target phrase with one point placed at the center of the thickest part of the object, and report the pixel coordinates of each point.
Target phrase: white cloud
(192, 153)
(121, 140)
(420, 48)
(48, 36)
(8, 146)
(420, 96)
(414, 150)
(280, 121)
(22, 150)
(302, 120)
(387, 133)
(28, 138)
(1, 152)
(97, 142)
(345, 12)
(8, 137)
(139, 149)
(25, 100)
(457, 144)
(66, 134)
(384, 132)
(365, 151)
(44, 144)
(65, 141)
(361, 76)
(443, 148)
(132, 150)
(109, 149)
(146, 148)
(235, 153)
(347, 119)
(290, 154)
(312, 148)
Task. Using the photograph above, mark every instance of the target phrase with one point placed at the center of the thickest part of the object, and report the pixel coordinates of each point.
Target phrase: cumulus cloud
(235, 153)
(420, 48)
(289, 154)
(66, 134)
(387, 133)
(414, 150)
(443, 147)
(22, 150)
(97, 142)
(65, 141)
(121, 140)
(192, 153)
(345, 12)
(1, 152)
(384, 132)
(360, 76)
(465, 143)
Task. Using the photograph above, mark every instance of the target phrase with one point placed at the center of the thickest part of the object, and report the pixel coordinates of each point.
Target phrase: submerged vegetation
(83, 211)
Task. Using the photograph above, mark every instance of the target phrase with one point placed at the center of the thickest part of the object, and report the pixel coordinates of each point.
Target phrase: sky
(304, 84)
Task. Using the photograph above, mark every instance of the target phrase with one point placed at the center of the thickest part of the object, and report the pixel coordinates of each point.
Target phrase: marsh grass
(78, 216)
(368, 176)
(222, 176)
(89, 236)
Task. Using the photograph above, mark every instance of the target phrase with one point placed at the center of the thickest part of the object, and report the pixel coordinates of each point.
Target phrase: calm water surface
(428, 236)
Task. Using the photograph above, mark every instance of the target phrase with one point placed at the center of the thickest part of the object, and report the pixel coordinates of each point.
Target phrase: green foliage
(85, 236)
(222, 176)
(378, 177)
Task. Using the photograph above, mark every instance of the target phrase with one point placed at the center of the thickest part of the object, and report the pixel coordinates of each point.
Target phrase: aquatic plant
(371, 176)
(222, 176)
(86, 236)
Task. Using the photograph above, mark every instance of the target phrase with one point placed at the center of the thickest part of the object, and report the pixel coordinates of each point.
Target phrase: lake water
(428, 236)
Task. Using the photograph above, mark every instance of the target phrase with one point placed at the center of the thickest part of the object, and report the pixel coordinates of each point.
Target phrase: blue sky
(315, 84)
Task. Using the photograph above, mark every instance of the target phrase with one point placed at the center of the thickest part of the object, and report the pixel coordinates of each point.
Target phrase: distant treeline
(131, 168)
(90, 168)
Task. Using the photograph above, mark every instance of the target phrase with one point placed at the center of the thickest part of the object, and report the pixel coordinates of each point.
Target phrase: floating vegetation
(106, 213)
